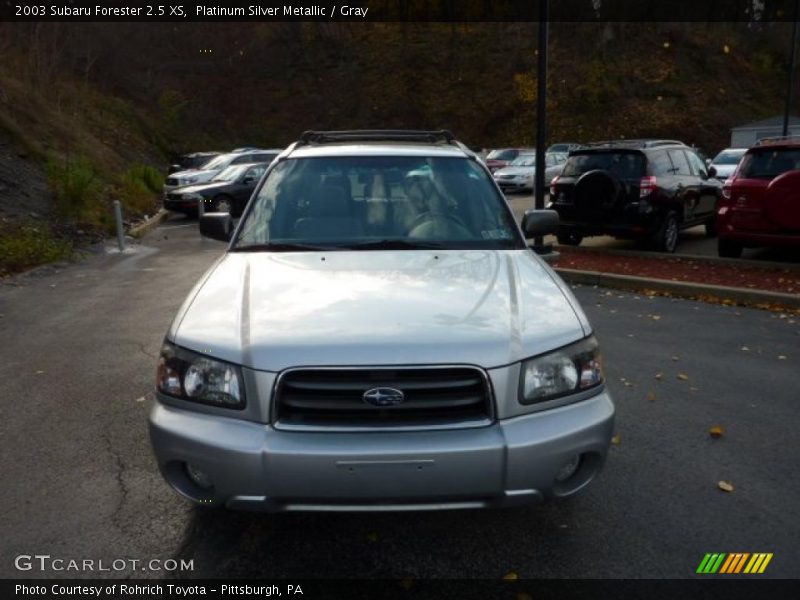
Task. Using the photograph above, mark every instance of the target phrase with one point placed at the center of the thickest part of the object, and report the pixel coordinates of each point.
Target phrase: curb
(680, 288)
(734, 262)
(142, 229)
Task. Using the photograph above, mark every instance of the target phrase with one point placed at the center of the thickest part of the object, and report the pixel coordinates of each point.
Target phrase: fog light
(198, 477)
(568, 469)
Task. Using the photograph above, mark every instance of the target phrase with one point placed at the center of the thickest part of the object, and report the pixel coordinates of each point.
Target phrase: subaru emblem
(384, 396)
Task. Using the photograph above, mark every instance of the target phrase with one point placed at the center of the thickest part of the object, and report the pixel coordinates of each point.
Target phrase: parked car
(725, 162)
(761, 201)
(228, 192)
(215, 166)
(356, 348)
(565, 147)
(501, 157)
(519, 175)
(644, 189)
(194, 160)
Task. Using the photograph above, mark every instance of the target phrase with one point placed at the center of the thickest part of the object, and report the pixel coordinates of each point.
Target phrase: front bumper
(254, 466)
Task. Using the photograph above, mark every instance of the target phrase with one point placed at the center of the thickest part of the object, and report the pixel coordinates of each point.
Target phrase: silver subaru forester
(378, 336)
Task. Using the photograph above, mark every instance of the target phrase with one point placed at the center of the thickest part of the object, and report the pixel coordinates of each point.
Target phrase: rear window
(626, 165)
(728, 157)
(769, 162)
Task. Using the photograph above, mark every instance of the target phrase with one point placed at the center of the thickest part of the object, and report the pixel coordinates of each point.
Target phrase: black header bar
(395, 10)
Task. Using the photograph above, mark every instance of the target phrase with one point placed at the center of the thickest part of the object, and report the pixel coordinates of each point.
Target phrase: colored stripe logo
(734, 563)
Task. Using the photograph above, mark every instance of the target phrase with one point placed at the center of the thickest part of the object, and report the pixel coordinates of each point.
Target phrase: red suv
(761, 201)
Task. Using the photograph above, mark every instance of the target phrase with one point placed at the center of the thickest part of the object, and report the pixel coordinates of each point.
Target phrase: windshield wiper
(396, 244)
(283, 247)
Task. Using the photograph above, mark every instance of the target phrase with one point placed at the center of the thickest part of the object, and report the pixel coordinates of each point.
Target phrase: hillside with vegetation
(92, 112)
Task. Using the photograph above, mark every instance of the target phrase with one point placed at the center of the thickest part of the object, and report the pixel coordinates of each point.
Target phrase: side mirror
(712, 171)
(247, 180)
(217, 226)
(708, 162)
(537, 223)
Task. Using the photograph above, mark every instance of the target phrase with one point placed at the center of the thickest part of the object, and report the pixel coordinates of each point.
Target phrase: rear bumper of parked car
(255, 466)
(756, 238)
(729, 228)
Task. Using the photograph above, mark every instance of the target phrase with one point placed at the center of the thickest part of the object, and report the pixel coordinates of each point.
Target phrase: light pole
(790, 83)
(541, 116)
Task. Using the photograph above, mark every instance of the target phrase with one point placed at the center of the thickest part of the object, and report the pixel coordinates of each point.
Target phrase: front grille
(172, 181)
(434, 397)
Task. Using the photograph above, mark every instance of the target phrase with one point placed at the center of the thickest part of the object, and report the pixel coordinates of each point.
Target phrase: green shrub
(139, 187)
(75, 186)
(29, 245)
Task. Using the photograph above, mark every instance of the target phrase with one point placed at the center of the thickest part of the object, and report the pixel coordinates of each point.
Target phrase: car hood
(515, 171)
(200, 174)
(201, 188)
(271, 311)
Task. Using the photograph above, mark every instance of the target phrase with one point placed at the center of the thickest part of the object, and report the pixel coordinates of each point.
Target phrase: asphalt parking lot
(79, 356)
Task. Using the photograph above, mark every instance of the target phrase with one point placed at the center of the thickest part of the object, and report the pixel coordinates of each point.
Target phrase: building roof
(776, 121)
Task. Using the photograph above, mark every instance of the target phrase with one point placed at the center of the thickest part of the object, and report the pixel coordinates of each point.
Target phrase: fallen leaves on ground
(716, 432)
(615, 439)
(651, 396)
(511, 576)
(725, 486)
(659, 376)
(683, 377)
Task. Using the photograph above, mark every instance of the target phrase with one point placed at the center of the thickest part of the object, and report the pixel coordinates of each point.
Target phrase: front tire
(729, 249)
(666, 238)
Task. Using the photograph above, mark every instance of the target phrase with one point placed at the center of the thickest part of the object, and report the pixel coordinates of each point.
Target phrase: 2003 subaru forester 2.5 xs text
(378, 336)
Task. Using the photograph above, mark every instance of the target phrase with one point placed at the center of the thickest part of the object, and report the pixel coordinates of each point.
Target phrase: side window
(697, 165)
(660, 164)
(254, 173)
(262, 158)
(679, 162)
(241, 160)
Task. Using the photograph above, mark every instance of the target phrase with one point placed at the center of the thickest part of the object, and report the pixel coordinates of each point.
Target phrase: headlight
(197, 378)
(566, 371)
(190, 180)
(194, 197)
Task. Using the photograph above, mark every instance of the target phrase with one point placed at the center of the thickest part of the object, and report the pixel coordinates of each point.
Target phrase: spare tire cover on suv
(782, 200)
(598, 191)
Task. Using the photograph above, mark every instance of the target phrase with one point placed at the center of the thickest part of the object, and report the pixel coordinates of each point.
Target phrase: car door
(709, 187)
(686, 188)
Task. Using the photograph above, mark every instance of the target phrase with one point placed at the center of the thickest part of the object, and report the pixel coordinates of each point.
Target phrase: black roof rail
(637, 143)
(377, 135)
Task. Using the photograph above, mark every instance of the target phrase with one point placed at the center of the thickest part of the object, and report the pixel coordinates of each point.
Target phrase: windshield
(728, 157)
(524, 160)
(626, 165)
(769, 162)
(221, 161)
(503, 154)
(230, 174)
(393, 202)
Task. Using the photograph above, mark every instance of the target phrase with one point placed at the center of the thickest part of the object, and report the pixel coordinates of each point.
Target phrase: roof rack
(643, 143)
(377, 135)
(767, 141)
